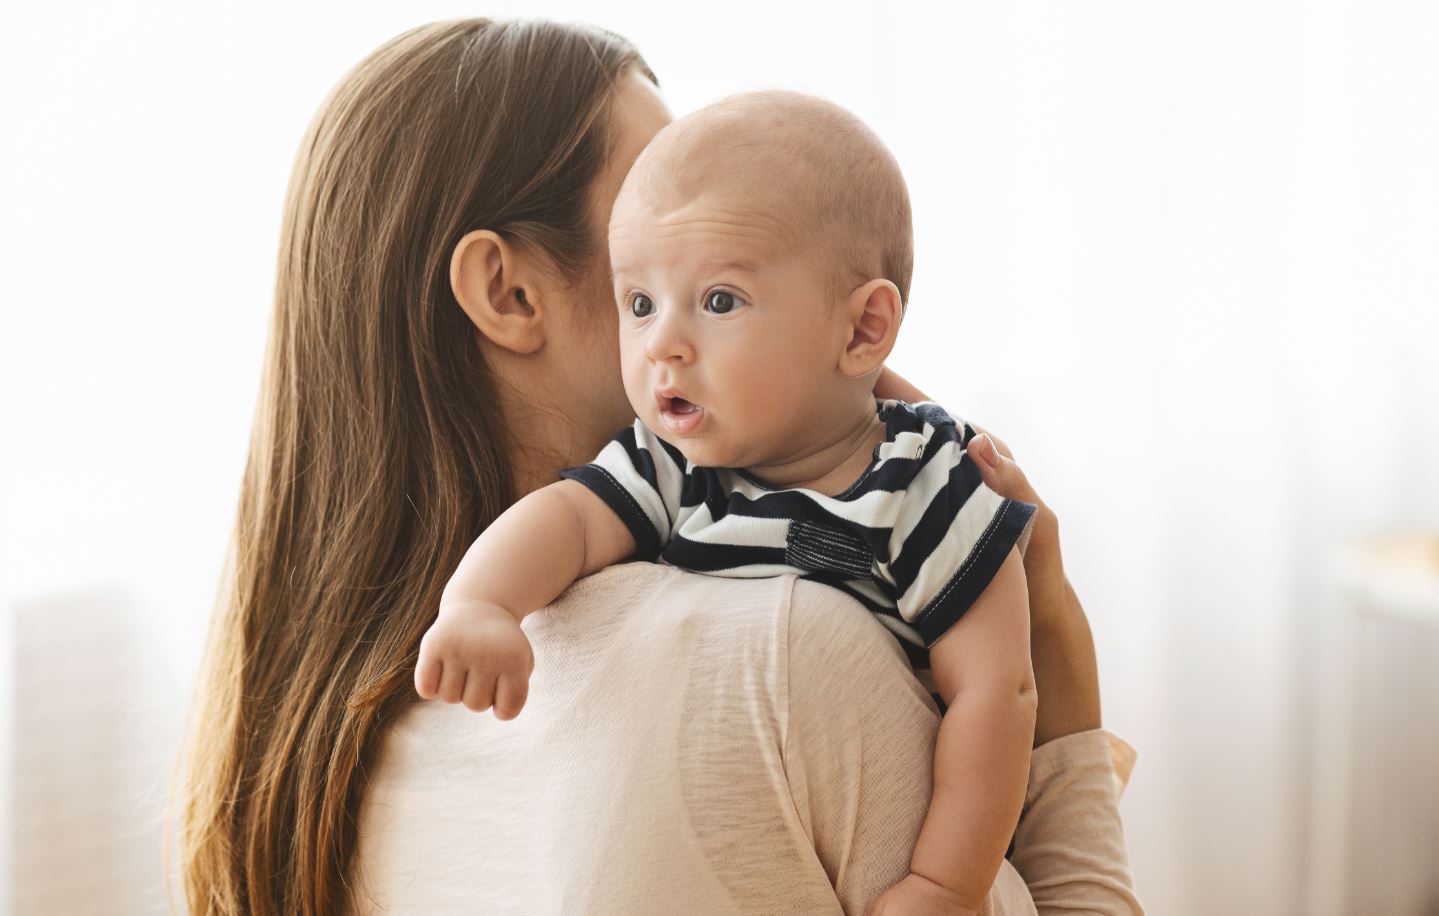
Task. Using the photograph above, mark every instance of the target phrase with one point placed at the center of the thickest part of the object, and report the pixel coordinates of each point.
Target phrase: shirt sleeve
(1069, 845)
(951, 534)
(641, 478)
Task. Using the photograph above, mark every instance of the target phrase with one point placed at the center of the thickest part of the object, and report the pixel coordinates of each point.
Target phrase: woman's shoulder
(640, 635)
(754, 689)
(786, 611)
(658, 698)
(839, 655)
(663, 604)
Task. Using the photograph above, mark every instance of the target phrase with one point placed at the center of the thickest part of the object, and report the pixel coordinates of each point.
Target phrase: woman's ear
(490, 279)
(874, 311)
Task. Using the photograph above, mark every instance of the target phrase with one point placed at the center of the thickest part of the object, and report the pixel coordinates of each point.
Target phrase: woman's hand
(1066, 674)
(891, 386)
(1062, 649)
(1043, 562)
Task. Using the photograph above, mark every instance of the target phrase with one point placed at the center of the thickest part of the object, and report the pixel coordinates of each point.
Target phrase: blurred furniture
(1374, 838)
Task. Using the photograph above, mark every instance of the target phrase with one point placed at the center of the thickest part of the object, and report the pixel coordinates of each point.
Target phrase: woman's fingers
(998, 442)
(1043, 560)
(1000, 473)
(892, 386)
(1007, 479)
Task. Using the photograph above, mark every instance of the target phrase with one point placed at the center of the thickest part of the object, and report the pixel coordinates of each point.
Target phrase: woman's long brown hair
(378, 449)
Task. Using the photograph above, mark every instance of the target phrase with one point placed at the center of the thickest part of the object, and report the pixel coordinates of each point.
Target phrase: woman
(443, 341)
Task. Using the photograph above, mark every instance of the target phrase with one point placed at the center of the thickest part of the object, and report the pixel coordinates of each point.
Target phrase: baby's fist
(476, 654)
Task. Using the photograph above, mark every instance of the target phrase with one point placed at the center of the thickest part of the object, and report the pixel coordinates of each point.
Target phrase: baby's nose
(669, 341)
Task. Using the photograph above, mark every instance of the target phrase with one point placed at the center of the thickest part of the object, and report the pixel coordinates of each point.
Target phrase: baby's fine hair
(821, 169)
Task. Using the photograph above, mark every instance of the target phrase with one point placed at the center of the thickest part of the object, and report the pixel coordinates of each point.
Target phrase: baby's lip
(668, 396)
(678, 414)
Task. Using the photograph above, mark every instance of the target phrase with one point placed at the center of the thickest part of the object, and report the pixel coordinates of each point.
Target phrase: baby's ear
(874, 310)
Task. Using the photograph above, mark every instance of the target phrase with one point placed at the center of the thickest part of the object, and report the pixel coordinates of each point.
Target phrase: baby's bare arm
(981, 762)
(475, 652)
(537, 548)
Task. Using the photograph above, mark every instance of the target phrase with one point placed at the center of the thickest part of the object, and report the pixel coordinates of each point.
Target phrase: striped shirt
(915, 539)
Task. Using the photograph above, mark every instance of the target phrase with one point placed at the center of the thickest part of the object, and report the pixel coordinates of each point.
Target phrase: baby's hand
(916, 895)
(477, 654)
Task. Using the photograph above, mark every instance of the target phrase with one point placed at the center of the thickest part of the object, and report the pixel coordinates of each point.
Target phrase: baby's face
(729, 336)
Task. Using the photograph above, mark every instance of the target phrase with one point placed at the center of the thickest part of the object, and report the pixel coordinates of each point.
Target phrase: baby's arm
(981, 761)
(475, 651)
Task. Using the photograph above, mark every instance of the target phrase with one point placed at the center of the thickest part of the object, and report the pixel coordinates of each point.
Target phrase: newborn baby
(761, 251)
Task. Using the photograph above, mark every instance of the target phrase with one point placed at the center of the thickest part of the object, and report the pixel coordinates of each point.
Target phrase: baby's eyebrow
(709, 267)
(737, 266)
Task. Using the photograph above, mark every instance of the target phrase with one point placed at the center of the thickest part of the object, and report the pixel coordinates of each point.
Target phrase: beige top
(702, 745)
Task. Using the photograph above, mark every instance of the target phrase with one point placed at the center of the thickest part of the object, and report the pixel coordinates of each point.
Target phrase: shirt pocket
(819, 548)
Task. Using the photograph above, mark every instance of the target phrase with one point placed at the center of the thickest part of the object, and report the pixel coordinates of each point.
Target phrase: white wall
(1180, 254)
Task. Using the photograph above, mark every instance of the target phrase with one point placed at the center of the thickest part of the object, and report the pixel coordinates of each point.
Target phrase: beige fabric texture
(702, 745)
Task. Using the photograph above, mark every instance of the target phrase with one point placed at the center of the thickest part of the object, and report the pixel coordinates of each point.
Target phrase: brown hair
(378, 451)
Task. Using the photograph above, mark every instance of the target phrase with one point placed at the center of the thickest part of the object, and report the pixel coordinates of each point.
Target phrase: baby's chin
(696, 452)
(704, 452)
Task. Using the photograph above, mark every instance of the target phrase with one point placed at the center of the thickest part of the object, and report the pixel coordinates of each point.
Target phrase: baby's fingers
(510, 695)
(479, 692)
(452, 683)
(427, 675)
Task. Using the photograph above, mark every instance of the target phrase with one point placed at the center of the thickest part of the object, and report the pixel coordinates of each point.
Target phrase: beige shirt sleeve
(1070, 841)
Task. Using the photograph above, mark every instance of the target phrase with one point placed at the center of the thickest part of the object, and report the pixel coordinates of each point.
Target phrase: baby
(761, 251)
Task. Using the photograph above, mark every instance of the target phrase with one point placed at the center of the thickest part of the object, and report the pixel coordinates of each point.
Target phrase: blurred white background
(1181, 255)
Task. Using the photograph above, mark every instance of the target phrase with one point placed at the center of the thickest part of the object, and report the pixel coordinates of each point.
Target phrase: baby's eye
(721, 302)
(641, 306)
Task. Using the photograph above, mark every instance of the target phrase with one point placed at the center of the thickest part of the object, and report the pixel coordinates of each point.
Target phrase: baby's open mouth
(679, 415)
(678, 406)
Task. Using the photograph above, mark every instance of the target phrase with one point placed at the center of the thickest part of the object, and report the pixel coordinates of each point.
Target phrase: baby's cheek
(635, 388)
(772, 396)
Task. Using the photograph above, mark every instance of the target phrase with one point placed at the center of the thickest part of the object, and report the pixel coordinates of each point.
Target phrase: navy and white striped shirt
(915, 539)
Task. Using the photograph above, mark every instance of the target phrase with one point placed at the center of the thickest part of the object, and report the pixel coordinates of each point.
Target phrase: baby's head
(762, 249)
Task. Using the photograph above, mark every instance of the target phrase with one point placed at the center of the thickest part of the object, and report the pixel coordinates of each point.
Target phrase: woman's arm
(1069, 846)
(1070, 843)
(1065, 672)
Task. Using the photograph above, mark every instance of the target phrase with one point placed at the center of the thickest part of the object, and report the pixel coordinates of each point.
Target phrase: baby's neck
(832, 465)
